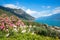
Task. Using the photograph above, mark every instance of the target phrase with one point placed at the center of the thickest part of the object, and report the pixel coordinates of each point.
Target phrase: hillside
(17, 12)
(28, 36)
(13, 28)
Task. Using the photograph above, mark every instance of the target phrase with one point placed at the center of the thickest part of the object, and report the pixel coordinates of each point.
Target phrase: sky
(35, 8)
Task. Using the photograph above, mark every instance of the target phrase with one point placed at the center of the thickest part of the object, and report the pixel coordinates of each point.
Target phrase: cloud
(11, 6)
(37, 14)
(46, 7)
(34, 13)
(29, 11)
(56, 10)
(43, 13)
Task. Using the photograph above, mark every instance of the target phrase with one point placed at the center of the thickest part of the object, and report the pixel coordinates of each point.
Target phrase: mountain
(17, 12)
(53, 20)
(55, 16)
(52, 17)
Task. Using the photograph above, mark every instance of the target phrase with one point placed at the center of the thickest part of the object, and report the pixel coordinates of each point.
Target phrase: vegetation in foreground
(27, 36)
(12, 28)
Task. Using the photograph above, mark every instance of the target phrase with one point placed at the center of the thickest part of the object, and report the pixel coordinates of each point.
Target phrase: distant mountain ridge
(18, 12)
(53, 20)
(54, 16)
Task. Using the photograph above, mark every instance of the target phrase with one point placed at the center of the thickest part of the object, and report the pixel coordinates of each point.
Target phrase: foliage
(41, 31)
(27, 36)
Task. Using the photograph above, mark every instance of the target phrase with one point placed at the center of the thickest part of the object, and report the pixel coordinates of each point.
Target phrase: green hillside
(17, 12)
(5, 12)
(28, 36)
(12, 27)
(28, 30)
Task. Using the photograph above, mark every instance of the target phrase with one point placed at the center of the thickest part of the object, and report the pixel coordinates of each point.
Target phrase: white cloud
(11, 6)
(56, 10)
(29, 11)
(36, 14)
(46, 7)
(43, 13)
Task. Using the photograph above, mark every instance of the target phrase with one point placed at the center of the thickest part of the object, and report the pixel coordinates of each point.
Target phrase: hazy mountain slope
(18, 12)
(5, 12)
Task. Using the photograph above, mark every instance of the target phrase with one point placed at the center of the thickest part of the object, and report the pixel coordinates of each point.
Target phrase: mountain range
(17, 12)
(53, 20)
(52, 17)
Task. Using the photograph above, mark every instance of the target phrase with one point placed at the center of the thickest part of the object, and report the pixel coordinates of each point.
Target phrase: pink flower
(22, 24)
(2, 27)
(17, 23)
(9, 21)
(2, 23)
(11, 24)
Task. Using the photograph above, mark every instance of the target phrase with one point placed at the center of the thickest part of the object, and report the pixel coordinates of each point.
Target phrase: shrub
(27, 36)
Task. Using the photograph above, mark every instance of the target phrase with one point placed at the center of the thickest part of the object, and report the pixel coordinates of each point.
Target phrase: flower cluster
(9, 22)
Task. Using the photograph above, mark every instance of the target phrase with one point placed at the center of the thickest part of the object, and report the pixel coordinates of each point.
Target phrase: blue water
(49, 22)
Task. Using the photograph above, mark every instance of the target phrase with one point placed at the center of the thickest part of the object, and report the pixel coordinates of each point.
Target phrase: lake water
(49, 22)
